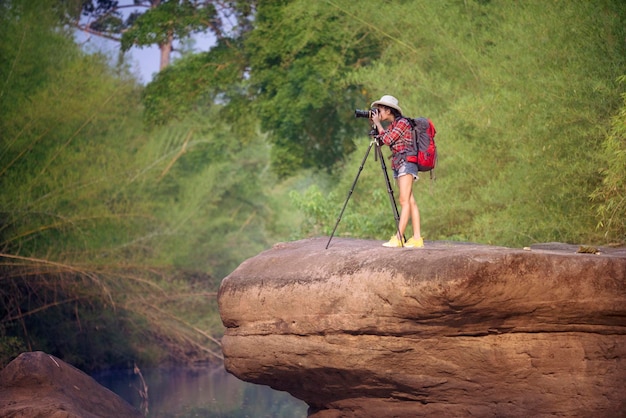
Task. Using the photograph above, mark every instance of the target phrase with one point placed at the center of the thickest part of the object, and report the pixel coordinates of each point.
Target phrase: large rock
(359, 330)
(38, 385)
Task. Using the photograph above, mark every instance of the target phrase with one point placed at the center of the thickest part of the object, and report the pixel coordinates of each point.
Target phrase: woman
(398, 137)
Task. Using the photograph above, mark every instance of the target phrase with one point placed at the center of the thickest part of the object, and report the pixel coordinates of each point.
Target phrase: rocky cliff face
(359, 330)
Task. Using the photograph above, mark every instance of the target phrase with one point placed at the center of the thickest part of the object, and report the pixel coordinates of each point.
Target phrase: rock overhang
(299, 312)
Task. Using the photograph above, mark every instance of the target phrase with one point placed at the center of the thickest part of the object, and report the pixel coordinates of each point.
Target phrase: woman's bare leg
(415, 217)
(405, 184)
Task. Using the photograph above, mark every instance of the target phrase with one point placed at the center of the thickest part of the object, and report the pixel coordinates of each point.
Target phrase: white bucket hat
(388, 101)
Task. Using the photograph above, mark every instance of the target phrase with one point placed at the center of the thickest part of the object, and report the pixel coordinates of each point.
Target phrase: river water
(200, 392)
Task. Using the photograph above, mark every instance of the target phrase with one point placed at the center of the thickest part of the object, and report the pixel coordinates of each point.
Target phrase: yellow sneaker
(415, 243)
(394, 242)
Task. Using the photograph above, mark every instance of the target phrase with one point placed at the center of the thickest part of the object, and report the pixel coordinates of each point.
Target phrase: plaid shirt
(398, 137)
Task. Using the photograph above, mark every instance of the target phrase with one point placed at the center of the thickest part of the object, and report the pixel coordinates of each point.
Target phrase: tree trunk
(166, 51)
(166, 47)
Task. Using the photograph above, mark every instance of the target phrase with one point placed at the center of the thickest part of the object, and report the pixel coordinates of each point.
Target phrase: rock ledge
(38, 385)
(452, 329)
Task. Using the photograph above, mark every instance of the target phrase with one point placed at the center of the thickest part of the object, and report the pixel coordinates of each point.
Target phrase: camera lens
(361, 113)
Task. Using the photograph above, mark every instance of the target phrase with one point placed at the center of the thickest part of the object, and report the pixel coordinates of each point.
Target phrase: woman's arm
(394, 132)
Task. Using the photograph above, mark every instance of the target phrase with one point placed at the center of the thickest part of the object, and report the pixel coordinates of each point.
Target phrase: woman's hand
(375, 116)
(376, 120)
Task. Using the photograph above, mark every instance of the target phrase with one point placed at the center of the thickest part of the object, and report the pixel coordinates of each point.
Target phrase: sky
(144, 61)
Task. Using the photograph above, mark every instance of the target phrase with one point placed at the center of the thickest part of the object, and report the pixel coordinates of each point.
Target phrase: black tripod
(378, 155)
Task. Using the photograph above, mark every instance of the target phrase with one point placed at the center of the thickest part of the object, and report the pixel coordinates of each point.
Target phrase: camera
(358, 113)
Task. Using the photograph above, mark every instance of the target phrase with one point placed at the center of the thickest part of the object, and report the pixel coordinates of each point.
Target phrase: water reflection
(201, 392)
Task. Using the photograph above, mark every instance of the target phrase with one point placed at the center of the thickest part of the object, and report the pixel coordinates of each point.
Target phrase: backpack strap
(413, 151)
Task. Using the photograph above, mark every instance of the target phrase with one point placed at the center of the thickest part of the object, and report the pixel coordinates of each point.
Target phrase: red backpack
(425, 155)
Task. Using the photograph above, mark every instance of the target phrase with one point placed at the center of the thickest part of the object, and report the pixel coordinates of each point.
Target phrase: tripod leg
(350, 192)
(394, 207)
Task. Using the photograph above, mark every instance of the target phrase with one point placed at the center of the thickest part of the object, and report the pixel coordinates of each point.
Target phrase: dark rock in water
(359, 330)
(38, 385)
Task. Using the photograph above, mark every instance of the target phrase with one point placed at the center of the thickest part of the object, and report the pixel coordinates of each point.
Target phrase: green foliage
(169, 19)
(317, 207)
(195, 82)
(287, 73)
(300, 53)
(521, 105)
(612, 193)
(149, 22)
(99, 216)
(206, 185)
(25, 59)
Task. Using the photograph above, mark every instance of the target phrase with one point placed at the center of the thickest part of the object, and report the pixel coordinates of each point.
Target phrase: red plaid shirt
(398, 137)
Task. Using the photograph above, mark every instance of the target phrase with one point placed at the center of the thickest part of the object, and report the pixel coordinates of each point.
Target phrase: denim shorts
(406, 168)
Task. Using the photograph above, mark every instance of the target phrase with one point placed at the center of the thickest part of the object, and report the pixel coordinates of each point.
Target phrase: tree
(161, 22)
(301, 54)
(100, 223)
(288, 73)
